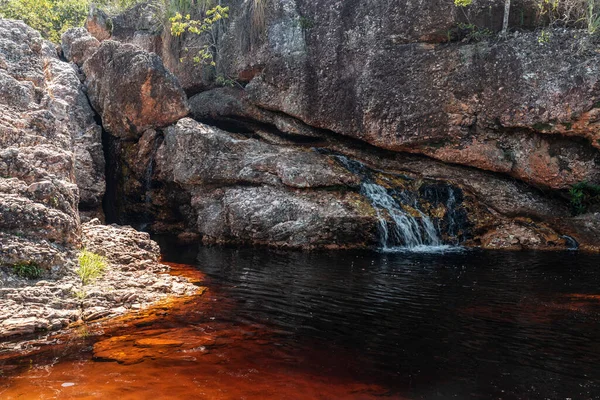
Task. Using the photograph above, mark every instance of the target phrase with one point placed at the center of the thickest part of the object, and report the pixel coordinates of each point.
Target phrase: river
(350, 325)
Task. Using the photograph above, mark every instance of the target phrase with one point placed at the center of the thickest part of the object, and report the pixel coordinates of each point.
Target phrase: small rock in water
(67, 384)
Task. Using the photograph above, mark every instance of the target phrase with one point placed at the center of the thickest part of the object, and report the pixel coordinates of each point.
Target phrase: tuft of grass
(80, 295)
(28, 270)
(91, 266)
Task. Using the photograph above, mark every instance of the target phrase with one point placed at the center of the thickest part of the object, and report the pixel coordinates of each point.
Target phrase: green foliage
(305, 23)
(80, 295)
(205, 27)
(543, 37)
(50, 17)
(53, 17)
(571, 13)
(468, 33)
(91, 266)
(584, 195)
(462, 3)
(222, 80)
(474, 33)
(27, 270)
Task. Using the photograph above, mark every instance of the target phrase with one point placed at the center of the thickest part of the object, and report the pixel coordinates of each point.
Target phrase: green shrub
(206, 27)
(91, 266)
(571, 13)
(584, 195)
(50, 17)
(53, 17)
(28, 270)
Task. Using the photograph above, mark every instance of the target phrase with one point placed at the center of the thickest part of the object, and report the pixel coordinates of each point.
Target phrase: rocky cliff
(52, 171)
(482, 139)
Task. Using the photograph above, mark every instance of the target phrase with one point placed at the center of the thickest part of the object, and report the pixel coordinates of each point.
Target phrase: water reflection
(471, 324)
(350, 325)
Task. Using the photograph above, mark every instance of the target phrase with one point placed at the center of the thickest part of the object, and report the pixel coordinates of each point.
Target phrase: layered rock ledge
(133, 280)
(509, 121)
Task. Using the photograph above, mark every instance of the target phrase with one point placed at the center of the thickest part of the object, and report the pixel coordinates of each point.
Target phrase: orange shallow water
(184, 349)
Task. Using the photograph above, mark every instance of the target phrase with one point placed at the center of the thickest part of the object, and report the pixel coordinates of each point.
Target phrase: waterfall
(405, 229)
(397, 227)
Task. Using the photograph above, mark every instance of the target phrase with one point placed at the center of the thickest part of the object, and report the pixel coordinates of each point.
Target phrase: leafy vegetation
(50, 17)
(571, 13)
(207, 27)
(583, 196)
(91, 266)
(462, 3)
(27, 270)
(53, 17)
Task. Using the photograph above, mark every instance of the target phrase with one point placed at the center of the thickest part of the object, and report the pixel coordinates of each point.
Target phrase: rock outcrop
(504, 105)
(131, 90)
(141, 26)
(40, 112)
(133, 279)
(51, 170)
(373, 83)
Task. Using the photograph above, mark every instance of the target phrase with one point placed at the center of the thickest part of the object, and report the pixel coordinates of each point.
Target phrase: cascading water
(399, 228)
(407, 229)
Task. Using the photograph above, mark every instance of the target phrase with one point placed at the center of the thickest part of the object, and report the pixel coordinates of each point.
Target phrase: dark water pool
(468, 325)
(459, 325)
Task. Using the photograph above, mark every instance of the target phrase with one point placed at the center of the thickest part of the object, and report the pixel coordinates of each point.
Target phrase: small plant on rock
(27, 270)
(91, 266)
(583, 196)
(207, 27)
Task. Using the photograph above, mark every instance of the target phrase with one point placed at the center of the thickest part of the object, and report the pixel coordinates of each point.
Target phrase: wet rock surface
(231, 188)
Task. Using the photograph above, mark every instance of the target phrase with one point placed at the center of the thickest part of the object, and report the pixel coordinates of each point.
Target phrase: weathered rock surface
(503, 106)
(399, 78)
(243, 190)
(228, 188)
(52, 168)
(148, 95)
(132, 281)
(39, 116)
(142, 27)
(78, 45)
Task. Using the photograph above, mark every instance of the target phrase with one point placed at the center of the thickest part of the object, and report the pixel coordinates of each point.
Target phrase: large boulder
(131, 90)
(141, 25)
(78, 45)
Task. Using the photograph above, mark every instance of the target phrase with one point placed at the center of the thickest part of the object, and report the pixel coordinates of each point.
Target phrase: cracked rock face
(131, 90)
(245, 190)
(42, 110)
(368, 71)
(132, 280)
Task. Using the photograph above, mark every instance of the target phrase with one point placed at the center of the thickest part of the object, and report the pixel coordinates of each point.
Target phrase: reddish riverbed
(285, 325)
(183, 349)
